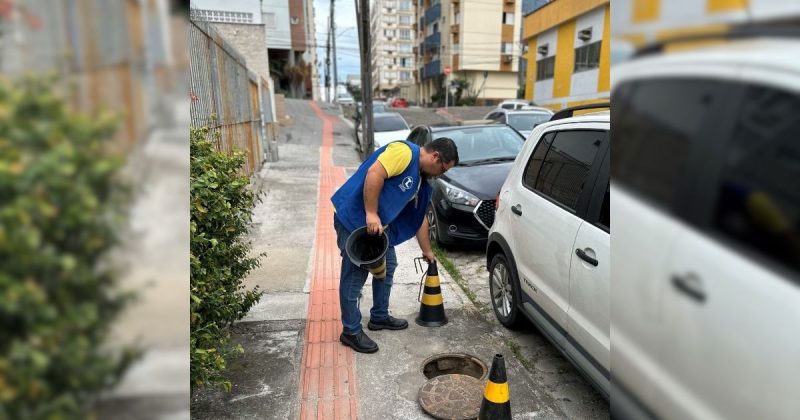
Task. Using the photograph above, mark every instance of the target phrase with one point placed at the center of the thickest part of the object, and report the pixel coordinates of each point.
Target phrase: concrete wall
(248, 40)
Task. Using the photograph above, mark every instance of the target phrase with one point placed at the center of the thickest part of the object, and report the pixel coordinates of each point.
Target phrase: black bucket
(368, 251)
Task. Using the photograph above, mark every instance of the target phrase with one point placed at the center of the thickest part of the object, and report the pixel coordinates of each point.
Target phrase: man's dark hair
(446, 147)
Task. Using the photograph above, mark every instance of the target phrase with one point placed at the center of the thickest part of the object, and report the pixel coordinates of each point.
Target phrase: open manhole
(454, 389)
(454, 363)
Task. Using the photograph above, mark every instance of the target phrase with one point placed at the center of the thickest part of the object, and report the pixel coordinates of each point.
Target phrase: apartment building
(638, 22)
(393, 61)
(477, 40)
(287, 27)
(567, 52)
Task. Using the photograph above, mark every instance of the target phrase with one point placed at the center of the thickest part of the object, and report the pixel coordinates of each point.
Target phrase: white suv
(548, 249)
(706, 209)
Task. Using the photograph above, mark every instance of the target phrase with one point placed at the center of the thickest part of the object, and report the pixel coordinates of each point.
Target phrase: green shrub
(61, 207)
(221, 210)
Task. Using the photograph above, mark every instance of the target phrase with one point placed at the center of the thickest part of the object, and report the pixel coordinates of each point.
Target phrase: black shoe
(390, 323)
(359, 342)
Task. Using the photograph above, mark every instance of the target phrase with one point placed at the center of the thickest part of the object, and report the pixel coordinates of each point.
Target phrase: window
(563, 172)
(527, 121)
(390, 19)
(456, 48)
(405, 48)
(508, 18)
(389, 33)
(757, 206)
(545, 68)
(535, 162)
(507, 47)
(405, 34)
(269, 20)
(390, 123)
(587, 57)
(605, 213)
(457, 18)
(405, 76)
(405, 5)
(405, 20)
(657, 126)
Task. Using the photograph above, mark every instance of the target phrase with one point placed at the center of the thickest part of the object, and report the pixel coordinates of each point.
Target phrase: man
(390, 190)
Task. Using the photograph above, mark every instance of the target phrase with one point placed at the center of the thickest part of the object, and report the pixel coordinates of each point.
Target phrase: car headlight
(456, 195)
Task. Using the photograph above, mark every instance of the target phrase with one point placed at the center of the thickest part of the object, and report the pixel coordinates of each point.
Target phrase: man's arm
(372, 190)
(425, 242)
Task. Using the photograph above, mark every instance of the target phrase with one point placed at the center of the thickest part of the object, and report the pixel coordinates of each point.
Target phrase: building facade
(567, 52)
(393, 38)
(288, 32)
(478, 40)
(640, 22)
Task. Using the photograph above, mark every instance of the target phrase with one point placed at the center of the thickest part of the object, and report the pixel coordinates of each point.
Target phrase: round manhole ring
(454, 363)
(452, 396)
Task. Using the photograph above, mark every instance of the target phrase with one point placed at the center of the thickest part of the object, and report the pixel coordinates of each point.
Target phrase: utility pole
(328, 66)
(333, 35)
(362, 11)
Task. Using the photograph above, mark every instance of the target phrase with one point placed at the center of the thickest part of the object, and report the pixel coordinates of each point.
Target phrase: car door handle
(517, 209)
(582, 255)
(690, 285)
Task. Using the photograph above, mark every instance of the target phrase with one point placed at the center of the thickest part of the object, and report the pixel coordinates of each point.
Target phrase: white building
(393, 39)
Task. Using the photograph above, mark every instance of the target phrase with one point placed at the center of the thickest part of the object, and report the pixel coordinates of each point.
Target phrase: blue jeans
(352, 280)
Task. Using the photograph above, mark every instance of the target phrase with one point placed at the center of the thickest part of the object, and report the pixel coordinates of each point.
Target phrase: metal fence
(108, 54)
(227, 97)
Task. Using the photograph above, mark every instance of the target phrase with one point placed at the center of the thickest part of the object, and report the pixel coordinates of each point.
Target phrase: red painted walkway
(328, 381)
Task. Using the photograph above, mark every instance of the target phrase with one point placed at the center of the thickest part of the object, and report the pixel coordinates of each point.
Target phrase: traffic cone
(431, 309)
(495, 405)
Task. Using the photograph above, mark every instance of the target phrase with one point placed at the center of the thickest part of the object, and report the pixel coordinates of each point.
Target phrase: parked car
(548, 250)
(512, 104)
(344, 98)
(389, 127)
(706, 301)
(398, 103)
(523, 120)
(462, 208)
(377, 108)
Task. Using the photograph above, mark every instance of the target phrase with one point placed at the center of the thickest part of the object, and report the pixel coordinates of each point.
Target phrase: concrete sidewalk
(266, 379)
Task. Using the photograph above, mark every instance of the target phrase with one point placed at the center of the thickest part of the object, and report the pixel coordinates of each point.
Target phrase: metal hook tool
(417, 268)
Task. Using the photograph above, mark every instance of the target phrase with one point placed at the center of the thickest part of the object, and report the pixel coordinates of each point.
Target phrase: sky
(346, 41)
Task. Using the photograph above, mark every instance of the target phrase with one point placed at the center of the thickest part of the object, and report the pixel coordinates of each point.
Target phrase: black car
(462, 207)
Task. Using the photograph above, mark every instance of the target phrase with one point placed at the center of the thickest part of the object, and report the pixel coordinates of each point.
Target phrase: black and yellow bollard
(495, 405)
(431, 309)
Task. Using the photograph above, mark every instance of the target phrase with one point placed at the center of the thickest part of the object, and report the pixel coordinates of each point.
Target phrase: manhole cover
(452, 397)
(454, 363)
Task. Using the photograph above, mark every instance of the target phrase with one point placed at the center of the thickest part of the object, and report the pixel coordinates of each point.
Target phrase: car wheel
(433, 226)
(503, 293)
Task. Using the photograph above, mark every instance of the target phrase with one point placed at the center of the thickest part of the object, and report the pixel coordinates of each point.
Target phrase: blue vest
(396, 204)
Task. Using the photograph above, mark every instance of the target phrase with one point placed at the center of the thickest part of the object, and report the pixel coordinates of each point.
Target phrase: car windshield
(476, 144)
(526, 121)
(390, 123)
(378, 108)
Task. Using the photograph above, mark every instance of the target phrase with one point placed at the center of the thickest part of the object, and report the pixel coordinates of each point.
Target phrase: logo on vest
(406, 184)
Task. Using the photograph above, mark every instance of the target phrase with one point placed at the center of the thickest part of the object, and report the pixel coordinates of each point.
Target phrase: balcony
(432, 69)
(433, 13)
(454, 28)
(433, 42)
